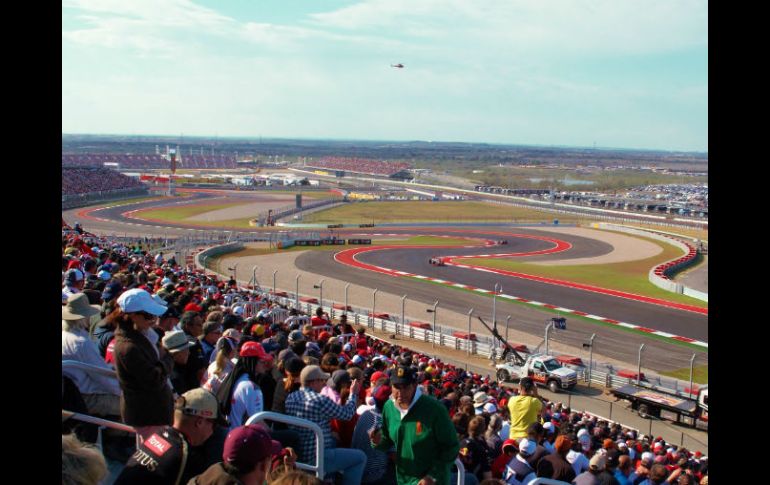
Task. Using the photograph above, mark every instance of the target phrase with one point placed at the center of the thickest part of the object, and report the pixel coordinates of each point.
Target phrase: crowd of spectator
(148, 161)
(195, 356)
(86, 180)
(361, 165)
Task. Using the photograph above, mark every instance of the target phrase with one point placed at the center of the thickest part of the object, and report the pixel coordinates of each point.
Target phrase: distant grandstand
(89, 180)
(363, 166)
(147, 161)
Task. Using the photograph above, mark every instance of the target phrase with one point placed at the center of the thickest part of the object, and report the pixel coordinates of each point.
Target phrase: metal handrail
(101, 423)
(460, 472)
(318, 469)
(547, 481)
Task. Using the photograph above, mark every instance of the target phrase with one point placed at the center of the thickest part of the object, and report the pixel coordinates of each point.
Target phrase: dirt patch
(249, 209)
(625, 248)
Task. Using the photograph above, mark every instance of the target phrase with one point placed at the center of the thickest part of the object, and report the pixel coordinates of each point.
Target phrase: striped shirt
(376, 460)
(308, 404)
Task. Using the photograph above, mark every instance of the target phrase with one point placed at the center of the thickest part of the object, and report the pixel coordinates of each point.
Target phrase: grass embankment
(429, 211)
(629, 276)
(700, 374)
(182, 212)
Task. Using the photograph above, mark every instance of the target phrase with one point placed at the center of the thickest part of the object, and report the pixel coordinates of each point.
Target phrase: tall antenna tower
(172, 156)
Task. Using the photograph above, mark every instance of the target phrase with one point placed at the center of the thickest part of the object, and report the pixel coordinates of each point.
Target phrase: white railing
(460, 472)
(318, 469)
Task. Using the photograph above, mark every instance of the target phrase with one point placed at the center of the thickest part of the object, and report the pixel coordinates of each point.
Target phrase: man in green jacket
(420, 429)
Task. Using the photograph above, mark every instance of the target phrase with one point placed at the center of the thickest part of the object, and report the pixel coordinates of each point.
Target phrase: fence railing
(318, 469)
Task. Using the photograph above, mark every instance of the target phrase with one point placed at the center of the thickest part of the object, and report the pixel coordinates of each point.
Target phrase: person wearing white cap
(101, 393)
(74, 280)
(143, 369)
(575, 456)
(518, 471)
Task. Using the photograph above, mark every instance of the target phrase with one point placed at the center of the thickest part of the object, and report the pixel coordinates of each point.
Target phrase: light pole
(470, 316)
(374, 304)
(320, 287)
(639, 369)
(433, 311)
(274, 273)
(403, 312)
(254, 279)
(692, 361)
(296, 295)
(547, 329)
(346, 298)
(590, 345)
(507, 321)
(494, 309)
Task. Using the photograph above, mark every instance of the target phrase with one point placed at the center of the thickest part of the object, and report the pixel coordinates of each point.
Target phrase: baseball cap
(549, 427)
(357, 359)
(238, 310)
(338, 378)
(296, 336)
(255, 349)
(598, 462)
(490, 408)
(138, 300)
(613, 457)
(527, 447)
(198, 402)
(647, 458)
(510, 443)
(176, 341)
(73, 275)
(105, 275)
(403, 375)
(381, 392)
(246, 446)
(562, 444)
(376, 376)
(311, 373)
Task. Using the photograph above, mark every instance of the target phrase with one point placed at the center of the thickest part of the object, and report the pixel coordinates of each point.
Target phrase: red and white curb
(348, 257)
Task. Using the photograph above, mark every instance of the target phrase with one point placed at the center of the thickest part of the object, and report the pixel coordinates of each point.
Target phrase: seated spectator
(595, 467)
(474, 452)
(101, 393)
(218, 370)
(212, 331)
(509, 449)
(518, 471)
(244, 396)
(379, 469)
(164, 457)
(555, 466)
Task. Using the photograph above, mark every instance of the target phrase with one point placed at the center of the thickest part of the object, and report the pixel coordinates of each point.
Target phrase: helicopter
(399, 65)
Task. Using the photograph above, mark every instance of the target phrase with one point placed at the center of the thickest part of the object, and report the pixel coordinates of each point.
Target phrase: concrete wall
(654, 278)
(216, 251)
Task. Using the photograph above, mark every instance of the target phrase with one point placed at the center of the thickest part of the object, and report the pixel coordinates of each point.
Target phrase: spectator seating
(85, 180)
(361, 165)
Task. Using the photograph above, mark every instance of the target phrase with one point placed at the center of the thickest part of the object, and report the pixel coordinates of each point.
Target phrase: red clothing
(345, 430)
(317, 321)
(498, 465)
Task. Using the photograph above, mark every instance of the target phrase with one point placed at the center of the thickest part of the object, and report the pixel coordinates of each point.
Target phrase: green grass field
(630, 276)
(429, 211)
(700, 374)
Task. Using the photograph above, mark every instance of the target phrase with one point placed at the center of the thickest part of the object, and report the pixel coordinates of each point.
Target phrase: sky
(605, 73)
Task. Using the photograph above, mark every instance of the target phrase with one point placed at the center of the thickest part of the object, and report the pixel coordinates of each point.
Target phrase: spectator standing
(143, 370)
(525, 408)
(178, 346)
(418, 426)
(658, 474)
(100, 393)
(218, 370)
(624, 470)
(191, 324)
(308, 403)
(212, 331)
(555, 466)
(474, 452)
(607, 476)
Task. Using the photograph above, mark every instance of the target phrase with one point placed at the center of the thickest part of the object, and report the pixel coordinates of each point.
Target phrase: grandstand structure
(153, 161)
(362, 166)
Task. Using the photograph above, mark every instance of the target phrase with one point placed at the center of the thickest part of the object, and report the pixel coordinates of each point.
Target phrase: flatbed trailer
(650, 402)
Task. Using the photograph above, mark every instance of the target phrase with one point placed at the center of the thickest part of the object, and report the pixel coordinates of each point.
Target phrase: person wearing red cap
(244, 395)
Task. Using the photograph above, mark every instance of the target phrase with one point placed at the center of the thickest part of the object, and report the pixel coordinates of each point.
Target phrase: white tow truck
(544, 370)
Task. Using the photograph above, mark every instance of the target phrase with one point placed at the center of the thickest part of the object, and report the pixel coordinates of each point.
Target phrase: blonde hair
(81, 463)
(295, 477)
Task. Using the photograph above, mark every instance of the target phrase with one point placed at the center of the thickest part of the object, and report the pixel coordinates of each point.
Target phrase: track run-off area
(672, 331)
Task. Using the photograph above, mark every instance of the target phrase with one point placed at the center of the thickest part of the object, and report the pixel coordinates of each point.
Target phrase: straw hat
(78, 308)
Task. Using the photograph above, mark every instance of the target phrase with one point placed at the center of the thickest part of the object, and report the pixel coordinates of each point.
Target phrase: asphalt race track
(614, 342)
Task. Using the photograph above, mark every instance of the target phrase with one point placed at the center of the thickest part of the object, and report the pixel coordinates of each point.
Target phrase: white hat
(347, 348)
(105, 275)
(527, 447)
(490, 408)
(357, 359)
(549, 427)
(238, 310)
(138, 300)
(480, 398)
(582, 432)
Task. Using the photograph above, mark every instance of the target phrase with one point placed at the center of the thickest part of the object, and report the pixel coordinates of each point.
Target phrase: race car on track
(436, 261)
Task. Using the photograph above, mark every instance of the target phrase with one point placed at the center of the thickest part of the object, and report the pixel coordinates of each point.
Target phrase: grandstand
(86, 180)
(148, 161)
(362, 166)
